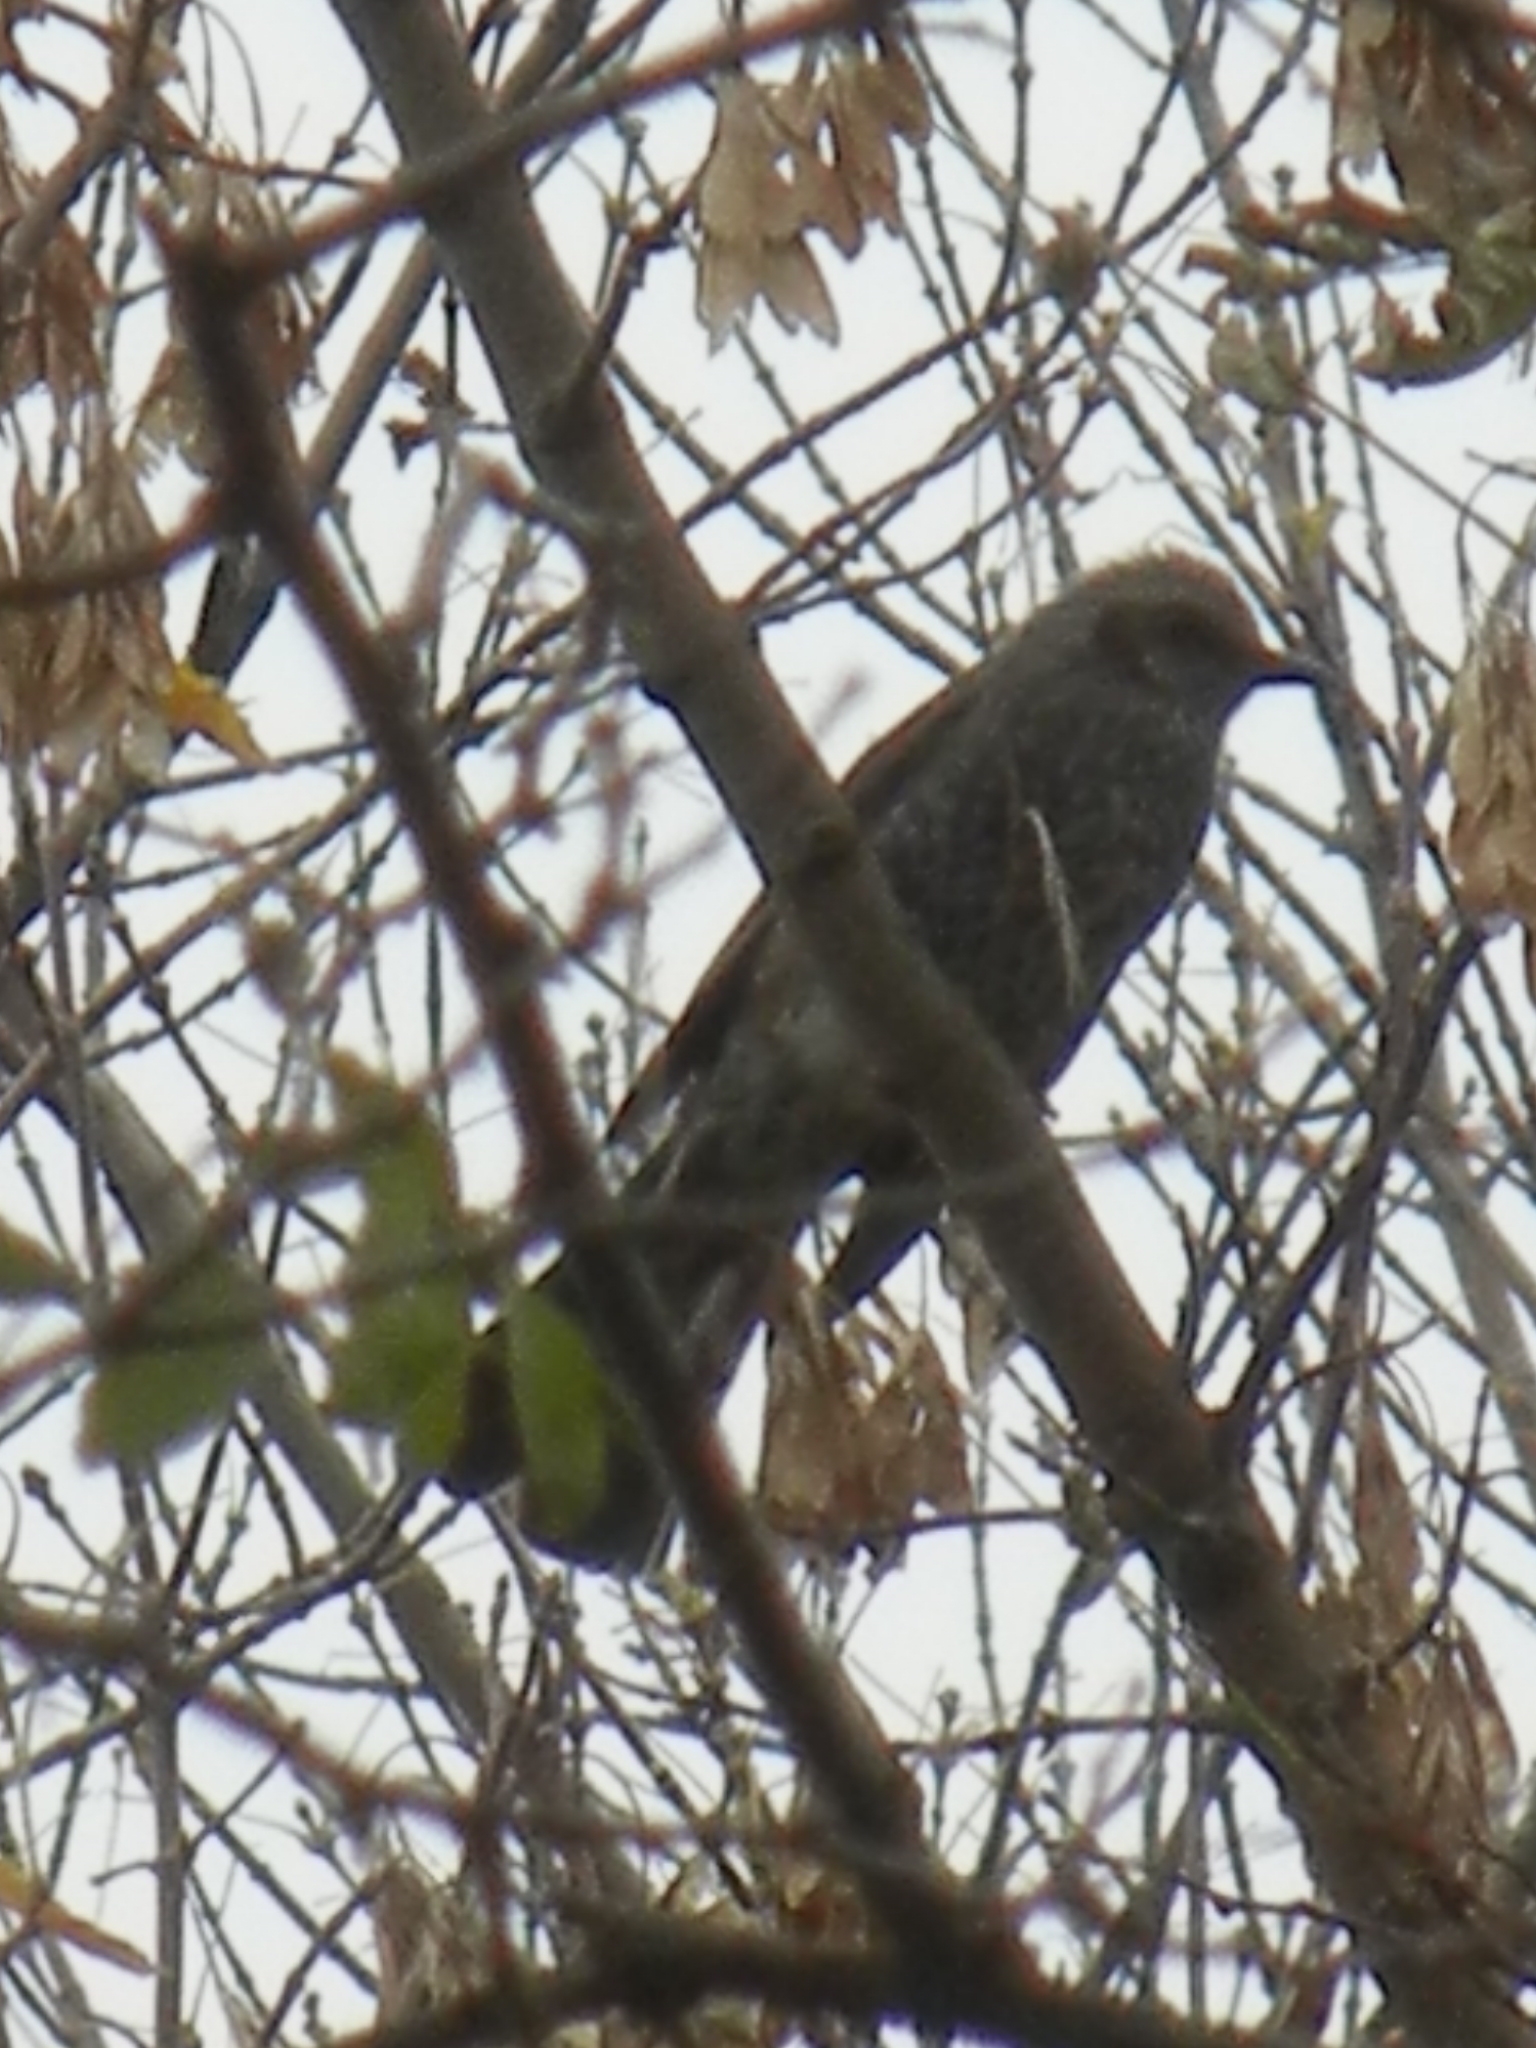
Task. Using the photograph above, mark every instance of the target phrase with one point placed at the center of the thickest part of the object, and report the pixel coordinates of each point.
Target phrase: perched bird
(1034, 821)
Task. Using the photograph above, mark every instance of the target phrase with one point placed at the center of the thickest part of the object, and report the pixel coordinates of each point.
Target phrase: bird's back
(1043, 846)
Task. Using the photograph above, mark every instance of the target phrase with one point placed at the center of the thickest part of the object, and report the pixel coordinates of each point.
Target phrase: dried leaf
(743, 196)
(278, 963)
(795, 289)
(172, 416)
(1450, 1771)
(858, 114)
(726, 287)
(810, 1474)
(1386, 1525)
(901, 91)
(815, 152)
(1070, 263)
(798, 107)
(1489, 1733)
(86, 671)
(48, 336)
(433, 1940)
(1492, 762)
(1488, 302)
(915, 1438)
(279, 322)
(752, 217)
(847, 1456)
(1364, 26)
(1448, 96)
(827, 202)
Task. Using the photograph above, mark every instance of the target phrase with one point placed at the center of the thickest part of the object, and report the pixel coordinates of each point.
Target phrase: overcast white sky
(917, 1639)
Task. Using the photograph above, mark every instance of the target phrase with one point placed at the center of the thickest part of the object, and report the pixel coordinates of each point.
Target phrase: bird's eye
(1184, 633)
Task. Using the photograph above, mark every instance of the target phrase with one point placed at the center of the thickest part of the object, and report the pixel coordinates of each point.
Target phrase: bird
(1033, 821)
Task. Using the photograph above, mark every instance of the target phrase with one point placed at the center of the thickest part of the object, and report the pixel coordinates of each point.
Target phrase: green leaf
(182, 1344)
(566, 1415)
(29, 1272)
(403, 1362)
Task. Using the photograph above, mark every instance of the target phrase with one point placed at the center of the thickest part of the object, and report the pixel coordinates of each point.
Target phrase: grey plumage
(1034, 822)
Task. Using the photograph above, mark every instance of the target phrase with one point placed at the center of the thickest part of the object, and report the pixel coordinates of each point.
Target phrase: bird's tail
(710, 1240)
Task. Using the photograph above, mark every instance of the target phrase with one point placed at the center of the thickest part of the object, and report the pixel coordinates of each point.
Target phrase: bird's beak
(1294, 664)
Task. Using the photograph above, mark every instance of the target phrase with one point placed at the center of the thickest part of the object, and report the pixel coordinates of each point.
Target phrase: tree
(1156, 1687)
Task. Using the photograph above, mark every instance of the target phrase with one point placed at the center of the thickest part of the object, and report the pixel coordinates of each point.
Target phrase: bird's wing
(872, 785)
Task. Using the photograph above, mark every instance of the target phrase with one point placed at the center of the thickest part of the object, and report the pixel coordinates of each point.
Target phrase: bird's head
(1180, 628)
